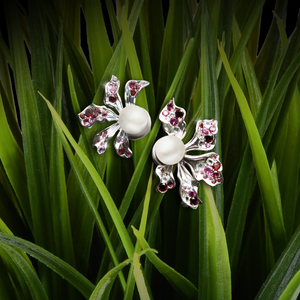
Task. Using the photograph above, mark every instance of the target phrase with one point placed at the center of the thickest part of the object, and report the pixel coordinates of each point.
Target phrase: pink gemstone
(104, 114)
(82, 116)
(113, 88)
(170, 184)
(204, 130)
(215, 156)
(174, 122)
(132, 85)
(216, 174)
(104, 135)
(207, 145)
(212, 129)
(128, 154)
(165, 113)
(170, 106)
(208, 170)
(192, 194)
(86, 121)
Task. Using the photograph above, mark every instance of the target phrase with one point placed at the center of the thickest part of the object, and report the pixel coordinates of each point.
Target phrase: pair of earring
(133, 123)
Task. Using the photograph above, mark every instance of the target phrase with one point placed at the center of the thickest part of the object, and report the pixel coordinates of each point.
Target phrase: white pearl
(135, 121)
(169, 150)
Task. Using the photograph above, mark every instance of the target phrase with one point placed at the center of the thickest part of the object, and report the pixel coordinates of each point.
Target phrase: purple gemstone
(128, 154)
(174, 122)
(132, 85)
(170, 106)
(216, 175)
(192, 194)
(208, 170)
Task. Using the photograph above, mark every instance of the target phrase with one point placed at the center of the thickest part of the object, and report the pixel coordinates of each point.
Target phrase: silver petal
(102, 138)
(188, 188)
(94, 113)
(166, 178)
(206, 167)
(132, 89)
(172, 117)
(121, 144)
(204, 136)
(112, 97)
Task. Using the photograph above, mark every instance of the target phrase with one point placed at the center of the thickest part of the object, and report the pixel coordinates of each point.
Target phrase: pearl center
(169, 150)
(134, 121)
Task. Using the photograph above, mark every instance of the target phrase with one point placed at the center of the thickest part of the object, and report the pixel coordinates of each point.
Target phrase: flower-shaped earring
(133, 121)
(170, 150)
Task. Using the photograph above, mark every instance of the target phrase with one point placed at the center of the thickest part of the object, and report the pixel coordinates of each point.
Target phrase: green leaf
(139, 278)
(103, 288)
(292, 290)
(34, 285)
(180, 283)
(99, 183)
(51, 261)
(271, 200)
(286, 267)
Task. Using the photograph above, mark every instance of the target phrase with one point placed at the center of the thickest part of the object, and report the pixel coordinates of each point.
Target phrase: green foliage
(68, 216)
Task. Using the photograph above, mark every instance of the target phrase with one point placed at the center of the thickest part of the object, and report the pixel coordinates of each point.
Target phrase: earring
(133, 122)
(170, 150)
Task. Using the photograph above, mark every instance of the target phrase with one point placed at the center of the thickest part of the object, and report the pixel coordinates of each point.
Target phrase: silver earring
(133, 122)
(170, 150)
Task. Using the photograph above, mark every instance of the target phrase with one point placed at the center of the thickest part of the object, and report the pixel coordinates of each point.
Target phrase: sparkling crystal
(162, 187)
(170, 184)
(212, 129)
(122, 150)
(165, 113)
(194, 201)
(132, 85)
(209, 139)
(192, 194)
(174, 122)
(88, 113)
(204, 130)
(216, 166)
(179, 114)
(112, 99)
(170, 106)
(208, 170)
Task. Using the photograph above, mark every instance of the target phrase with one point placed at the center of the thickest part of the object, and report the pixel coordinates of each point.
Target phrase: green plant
(94, 224)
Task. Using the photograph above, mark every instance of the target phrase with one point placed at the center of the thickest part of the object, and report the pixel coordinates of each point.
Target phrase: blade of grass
(286, 267)
(51, 261)
(99, 47)
(99, 183)
(292, 290)
(271, 199)
(12, 159)
(34, 285)
(180, 283)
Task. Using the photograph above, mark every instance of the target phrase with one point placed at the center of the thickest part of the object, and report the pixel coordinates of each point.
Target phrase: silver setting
(94, 113)
(191, 168)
